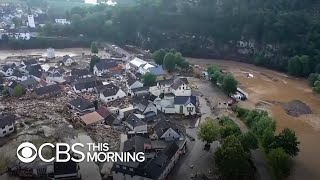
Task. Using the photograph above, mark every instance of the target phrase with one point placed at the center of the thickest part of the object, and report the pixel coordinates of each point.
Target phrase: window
(10, 129)
(112, 98)
(125, 168)
(3, 127)
(190, 108)
(4, 132)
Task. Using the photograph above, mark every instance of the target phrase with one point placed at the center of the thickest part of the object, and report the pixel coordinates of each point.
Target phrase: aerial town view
(159, 89)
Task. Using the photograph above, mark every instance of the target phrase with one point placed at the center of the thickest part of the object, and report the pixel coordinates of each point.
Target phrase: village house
(35, 71)
(180, 87)
(168, 131)
(157, 168)
(21, 33)
(7, 123)
(67, 60)
(7, 70)
(137, 144)
(105, 66)
(135, 124)
(146, 108)
(133, 84)
(136, 63)
(47, 91)
(185, 105)
(86, 84)
(111, 92)
(81, 105)
(29, 83)
(109, 117)
(80, 73)
(92, 118)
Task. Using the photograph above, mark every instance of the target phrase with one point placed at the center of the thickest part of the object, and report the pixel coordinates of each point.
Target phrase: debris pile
(296, 108)
(102, 134)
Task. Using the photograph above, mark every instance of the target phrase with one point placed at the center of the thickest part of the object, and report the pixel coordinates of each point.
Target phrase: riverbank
(275, 88)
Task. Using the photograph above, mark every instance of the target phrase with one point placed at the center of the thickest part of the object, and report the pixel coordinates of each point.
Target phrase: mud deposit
(296, 108)
(269, 90)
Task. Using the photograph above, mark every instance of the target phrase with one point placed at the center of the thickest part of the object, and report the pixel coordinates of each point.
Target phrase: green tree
(158, 56)
(209, 131)
(18, 91)
(316, 87)
(94, 60)
(229, 85)
(248, 141)
(262, 124)
(280, 162)
(169, 62)
(267, 139)
(288, 141)
(295, 67)
(17, 21)
(313, 77)
(231, 159)
(317, 68)
(94, 48)
(149, 79)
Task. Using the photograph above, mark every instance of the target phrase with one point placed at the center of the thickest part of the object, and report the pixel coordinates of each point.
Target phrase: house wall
(170, 110)
(170, 134)
(185, 109)
(183, 90)
(68, 62)
(82, 90)
(55, 79)
(137, 84)
(169, 167)
(9, 72)
(6, 130)
(99, 72)
(120, 94)
(62, 21)
(155, 90)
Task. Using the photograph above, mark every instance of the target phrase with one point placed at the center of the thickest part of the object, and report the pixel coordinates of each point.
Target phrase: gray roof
(87, 85)
(131, 81)
(145, 88)
(162, 126)
(185, 100)
(134, 121)
(165, 82)
(66, 57)
(80, 72)
(6, 67)
(7, 120)
(178, 82)
(48, 89)
(81, 104)
(31, 82)
(106, 64)
(135, 144)
(110, 90)
(30, 61)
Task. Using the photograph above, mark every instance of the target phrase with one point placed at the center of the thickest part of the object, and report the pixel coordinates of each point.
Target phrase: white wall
(170, 134)
(31, 21)
(6, 130)
(82, 90)
(99, 72)
(185, 110)
(68, 62)
(151, 108)
(9, 72)
(62, 21)
(183, 90)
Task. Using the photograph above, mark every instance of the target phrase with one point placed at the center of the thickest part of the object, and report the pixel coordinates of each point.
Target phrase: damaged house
(47, 91)
(87, 84)
(7, 123)
(105, 66)
(7, 70)
(81, 105)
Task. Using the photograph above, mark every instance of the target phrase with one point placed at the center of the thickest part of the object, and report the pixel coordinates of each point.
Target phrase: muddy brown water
(275, 88)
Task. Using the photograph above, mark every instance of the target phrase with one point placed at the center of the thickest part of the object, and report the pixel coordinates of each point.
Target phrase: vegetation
(209, 131)
(149, 79)
(170, 59)
(232, 160)
(248, 141)
(279, 147)
(94, 60)
(280, 162)
(94, 48)
(228, 128)
(158, 56)
(226, 81)
(169, 62)
(19, 91)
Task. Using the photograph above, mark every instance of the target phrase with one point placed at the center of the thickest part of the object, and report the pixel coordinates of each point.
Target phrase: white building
(111, 93)
(136, 63)
(62, 21)
(178, 86)
(67, 60)
(6, 124)
(7, 70)
(31, 22)
(50, 53)
(185, 105)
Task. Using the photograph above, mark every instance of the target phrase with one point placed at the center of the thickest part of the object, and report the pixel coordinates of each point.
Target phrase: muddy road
(268, 90)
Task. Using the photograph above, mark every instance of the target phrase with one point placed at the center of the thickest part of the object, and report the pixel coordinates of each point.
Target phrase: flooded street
(267, 90)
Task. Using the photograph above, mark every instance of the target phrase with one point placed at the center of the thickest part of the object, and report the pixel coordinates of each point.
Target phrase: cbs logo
(26, 149)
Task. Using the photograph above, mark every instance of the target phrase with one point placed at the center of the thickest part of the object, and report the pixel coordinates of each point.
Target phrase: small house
(91, 118)
(168, 131)
(47, 91)
(7, 123)
(80, 73)
(67, 60)
(185, 105)
(105, 66)
(29, 83)
(135, 124)
(133, 84)
(7, 70)
(81, 105)
(108, 116)
(146, 108)
(111, 92)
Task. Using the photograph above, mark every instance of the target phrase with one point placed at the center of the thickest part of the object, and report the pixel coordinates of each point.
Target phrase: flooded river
(274, 88)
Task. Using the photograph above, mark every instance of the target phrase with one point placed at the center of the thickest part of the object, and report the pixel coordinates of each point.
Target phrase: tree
(5, 38)
(288, 141)
(94, 61)
(313, 77)
(18, 91)
(267, 139)
(295, 67)
(169, 62)
(158, 56)
(229, 85)
(316, 87)
(209, 131)
(248, 141)
(280, 162)
(317, 68)
(231, 159)
(149, 79)
(263, 123)
(94, 48)
(17, 21)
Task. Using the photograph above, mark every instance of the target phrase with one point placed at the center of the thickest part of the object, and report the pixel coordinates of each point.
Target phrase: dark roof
(110, 90)
(142, 105)
(163, 125)
(185, 100)
(103, 111)
(47, 89)
(106, 64)
(31, 82)
(80, 72)
(81, 104)
(30, 61)
(6, 67)
(165, 82)
(135, 144)
(145, 88)
(7, 119)
(61, 168)
(131, 81)
(112, 120)
(34, 70)
(66, 57)
(87, 85)
(157, 165)
(134, 121)
(178, 82)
